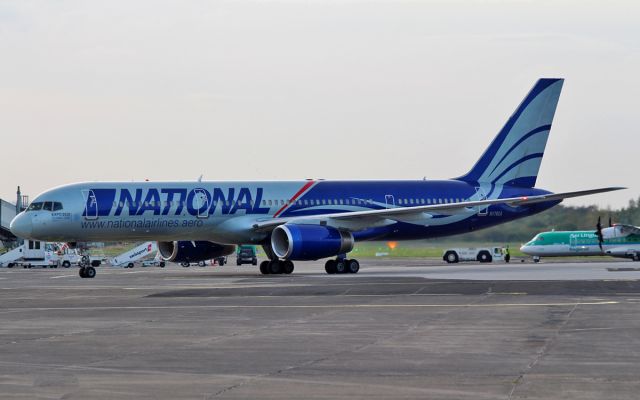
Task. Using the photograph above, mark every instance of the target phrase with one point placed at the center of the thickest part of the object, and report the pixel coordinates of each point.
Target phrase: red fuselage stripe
(294, 198)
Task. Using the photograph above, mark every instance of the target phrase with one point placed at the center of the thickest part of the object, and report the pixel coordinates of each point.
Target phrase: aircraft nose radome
(21, 226)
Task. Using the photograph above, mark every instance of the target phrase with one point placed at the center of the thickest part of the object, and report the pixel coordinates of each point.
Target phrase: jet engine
(188, 251)
(309, 242)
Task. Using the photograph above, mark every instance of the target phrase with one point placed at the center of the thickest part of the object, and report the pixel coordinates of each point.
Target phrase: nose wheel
(87, 272)
(342, 266)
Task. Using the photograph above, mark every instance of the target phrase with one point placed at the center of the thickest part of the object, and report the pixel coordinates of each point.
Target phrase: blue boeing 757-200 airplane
(311, 219)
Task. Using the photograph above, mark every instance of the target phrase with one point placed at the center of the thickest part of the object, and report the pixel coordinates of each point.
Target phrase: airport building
(8, 211)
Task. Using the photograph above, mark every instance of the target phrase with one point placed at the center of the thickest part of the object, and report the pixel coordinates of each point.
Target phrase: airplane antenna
(200, 178)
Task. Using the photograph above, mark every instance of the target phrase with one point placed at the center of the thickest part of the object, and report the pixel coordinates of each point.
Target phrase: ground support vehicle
(481, 254)
(246, 255)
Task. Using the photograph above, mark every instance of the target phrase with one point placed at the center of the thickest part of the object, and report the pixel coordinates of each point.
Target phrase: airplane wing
(374, 217)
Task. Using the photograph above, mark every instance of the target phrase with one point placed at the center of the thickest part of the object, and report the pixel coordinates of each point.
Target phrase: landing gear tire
(162, 264)
(353, 266)
(340, 266)
(89, 272)
(287, 267)
(202, 264)
(264, 267)
(66, 264)
(185, 265)
(130, 265)
(330, 267)
(275, 267)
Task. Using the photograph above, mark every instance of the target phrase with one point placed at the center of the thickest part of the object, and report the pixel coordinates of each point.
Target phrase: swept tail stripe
(484, 161)
(543, 128)
(294, 198)
(518, 162)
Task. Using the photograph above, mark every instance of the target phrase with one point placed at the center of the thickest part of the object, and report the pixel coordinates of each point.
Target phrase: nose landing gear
(86, 269)
(87, 272)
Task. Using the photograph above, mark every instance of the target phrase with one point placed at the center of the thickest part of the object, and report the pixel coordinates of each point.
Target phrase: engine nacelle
(187, 251)
(309, 242)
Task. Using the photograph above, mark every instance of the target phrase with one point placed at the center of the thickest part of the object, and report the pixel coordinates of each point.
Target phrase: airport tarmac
(409, 329)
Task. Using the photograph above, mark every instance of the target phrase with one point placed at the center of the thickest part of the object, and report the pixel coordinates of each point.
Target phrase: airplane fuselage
(583, 243)
(226, 212)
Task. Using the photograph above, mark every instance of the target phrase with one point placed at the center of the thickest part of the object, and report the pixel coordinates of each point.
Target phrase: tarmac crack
(542, 351)
(343, 351)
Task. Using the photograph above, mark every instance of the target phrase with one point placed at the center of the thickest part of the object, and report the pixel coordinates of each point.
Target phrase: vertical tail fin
(514, 156)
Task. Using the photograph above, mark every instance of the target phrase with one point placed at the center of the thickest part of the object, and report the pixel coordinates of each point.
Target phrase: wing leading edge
(373, 217)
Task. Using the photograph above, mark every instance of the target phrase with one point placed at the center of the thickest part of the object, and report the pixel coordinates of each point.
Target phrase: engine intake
(309, 242)
(187, 251)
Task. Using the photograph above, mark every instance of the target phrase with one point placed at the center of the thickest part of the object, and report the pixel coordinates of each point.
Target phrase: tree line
(559, 218)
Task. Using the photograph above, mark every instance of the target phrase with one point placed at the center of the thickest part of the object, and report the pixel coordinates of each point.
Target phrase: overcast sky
(129, 90)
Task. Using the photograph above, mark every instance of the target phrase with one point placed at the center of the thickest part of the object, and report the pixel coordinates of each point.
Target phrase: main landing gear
(87, 272)
(342, 266)
(276, 267)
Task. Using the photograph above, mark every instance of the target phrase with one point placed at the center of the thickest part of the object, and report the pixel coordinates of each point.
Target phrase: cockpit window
(35, 206)
(45, 205)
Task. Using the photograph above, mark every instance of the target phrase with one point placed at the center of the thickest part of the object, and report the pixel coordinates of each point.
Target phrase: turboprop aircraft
(617, 240)
(309, 219)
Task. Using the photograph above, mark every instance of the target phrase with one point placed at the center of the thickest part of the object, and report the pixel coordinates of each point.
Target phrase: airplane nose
(21, 226)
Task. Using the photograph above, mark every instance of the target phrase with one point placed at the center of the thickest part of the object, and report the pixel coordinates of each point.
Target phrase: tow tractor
(482, 254)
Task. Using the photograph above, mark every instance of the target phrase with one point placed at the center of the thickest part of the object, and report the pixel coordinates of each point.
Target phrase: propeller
(599, 234)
